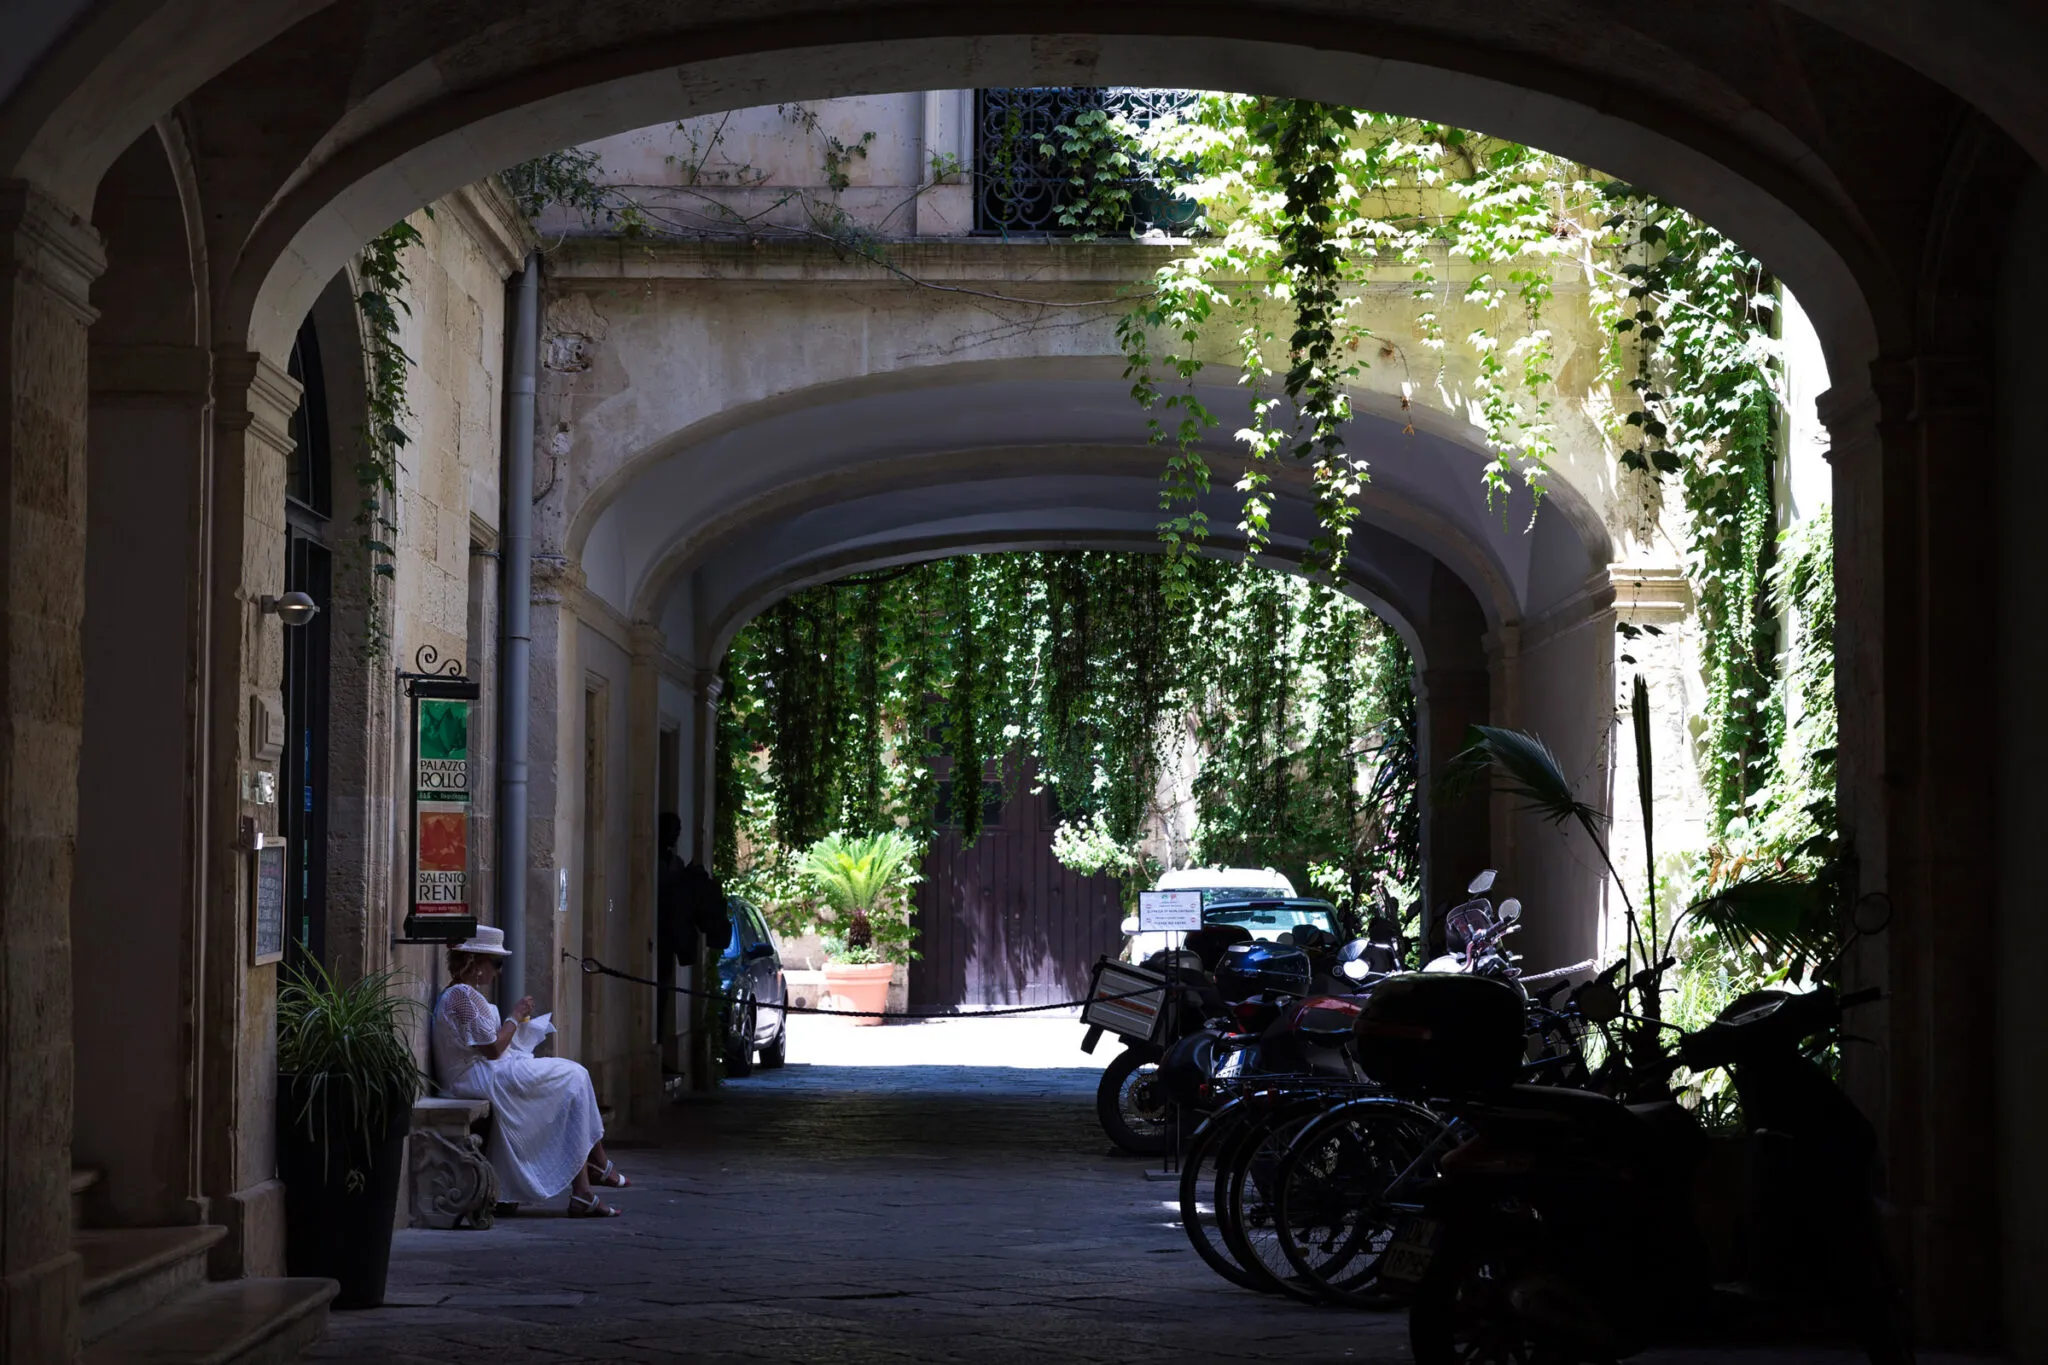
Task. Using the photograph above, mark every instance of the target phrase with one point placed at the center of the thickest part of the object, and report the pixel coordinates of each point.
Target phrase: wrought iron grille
(1021, 189)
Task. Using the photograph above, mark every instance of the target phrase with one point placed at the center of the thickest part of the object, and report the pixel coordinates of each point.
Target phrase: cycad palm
(855, 875)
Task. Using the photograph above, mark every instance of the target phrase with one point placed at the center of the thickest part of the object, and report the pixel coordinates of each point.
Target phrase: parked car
(1216, 884)
(1274, 919)
(750, 974)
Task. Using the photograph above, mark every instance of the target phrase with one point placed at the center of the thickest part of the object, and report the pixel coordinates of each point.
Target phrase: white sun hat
(489, 940)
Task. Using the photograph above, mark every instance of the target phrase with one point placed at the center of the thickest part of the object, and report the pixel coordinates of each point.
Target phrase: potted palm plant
(862, 883)
(346, 1085)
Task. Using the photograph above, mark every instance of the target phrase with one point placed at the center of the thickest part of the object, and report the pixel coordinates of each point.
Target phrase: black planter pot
(337, 1227)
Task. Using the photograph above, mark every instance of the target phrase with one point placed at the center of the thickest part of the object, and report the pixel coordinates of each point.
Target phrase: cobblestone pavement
(850, 1213)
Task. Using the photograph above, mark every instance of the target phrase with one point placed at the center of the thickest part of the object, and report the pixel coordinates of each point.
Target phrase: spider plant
(351, 1038)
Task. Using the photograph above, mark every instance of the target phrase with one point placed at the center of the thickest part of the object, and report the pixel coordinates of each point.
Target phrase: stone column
(1456, 840)
(1919, 739)
(700, 825)
(643, 759)
(1562, 664)
(254, 401)
(1453, 693)
(553, 759)
(138, 896)
(947, 208)
(44, 302)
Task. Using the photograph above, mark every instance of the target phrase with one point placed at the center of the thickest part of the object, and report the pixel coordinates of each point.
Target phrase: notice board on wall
(266, 900)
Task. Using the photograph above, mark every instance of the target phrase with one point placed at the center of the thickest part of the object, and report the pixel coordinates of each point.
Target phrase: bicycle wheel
(1332, 1216)
(1246, 1207)
(1198, 1179)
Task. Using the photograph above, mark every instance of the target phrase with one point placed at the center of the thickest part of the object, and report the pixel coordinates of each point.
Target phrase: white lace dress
(544, 1107)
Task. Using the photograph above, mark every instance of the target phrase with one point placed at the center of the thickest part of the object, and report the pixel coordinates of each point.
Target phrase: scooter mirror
(1130, 924)
(1481, 884)
(1510, 910)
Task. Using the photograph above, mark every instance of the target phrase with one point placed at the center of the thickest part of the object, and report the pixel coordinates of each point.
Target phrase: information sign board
(440, 906)
(441, 791)
(1169, 911)
(266, 900)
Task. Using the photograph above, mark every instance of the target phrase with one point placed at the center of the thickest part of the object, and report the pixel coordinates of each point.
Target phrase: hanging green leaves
(844, 702)
(380, 301)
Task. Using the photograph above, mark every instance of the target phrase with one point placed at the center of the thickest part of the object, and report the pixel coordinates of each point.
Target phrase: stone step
(128, 1272)
(81, 1181)
(228, 1322)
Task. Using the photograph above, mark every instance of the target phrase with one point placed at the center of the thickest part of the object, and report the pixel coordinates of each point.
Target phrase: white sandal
(610, 1177)
(580, 1207)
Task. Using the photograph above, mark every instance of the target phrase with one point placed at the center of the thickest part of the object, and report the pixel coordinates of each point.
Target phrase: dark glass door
(302, 788)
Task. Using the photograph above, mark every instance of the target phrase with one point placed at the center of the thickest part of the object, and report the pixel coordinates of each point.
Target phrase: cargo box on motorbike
(1125, 1000)
(1436, 1033)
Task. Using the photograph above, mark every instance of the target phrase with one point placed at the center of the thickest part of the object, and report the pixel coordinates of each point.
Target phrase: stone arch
(726, 474)
(104, 77)
(715, 550)
(1763, 190)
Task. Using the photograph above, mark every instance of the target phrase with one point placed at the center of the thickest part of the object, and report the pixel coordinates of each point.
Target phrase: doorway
(308, 568)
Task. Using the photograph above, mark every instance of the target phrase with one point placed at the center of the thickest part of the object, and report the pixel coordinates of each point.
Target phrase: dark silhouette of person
(688, 904)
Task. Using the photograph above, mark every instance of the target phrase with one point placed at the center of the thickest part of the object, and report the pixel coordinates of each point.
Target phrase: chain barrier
(592, 967)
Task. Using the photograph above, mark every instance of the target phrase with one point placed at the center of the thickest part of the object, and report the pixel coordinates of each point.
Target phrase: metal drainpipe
(515, 630)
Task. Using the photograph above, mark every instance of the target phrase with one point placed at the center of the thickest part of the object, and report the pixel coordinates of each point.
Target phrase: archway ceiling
(1691, 136)
(80, 80)
(1068, 509)
(809, 484)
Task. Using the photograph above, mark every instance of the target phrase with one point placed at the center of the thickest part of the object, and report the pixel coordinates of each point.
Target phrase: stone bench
(452, 1184)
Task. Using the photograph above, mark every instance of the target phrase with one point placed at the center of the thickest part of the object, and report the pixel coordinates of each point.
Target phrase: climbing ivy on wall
(1076, 672)
(1305, 205)
(381, 282)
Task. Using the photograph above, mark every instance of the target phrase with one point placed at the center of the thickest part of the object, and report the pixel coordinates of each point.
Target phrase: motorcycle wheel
(1330, 1217)
(1130, 1108)
(1200, 1174)
(1246, 1208)
(1460, 1314)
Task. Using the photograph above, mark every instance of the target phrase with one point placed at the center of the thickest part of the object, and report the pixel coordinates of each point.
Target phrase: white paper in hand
(527, 1036)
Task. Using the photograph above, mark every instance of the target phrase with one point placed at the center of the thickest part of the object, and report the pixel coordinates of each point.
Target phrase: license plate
(1409, 1254)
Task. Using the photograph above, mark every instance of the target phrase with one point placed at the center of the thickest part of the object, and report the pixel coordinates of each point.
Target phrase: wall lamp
(294, 608)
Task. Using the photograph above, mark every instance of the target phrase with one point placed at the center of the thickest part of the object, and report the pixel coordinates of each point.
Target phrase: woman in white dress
(546, 1136)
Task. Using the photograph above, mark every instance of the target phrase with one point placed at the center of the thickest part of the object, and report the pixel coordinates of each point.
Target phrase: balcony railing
(1021, 189)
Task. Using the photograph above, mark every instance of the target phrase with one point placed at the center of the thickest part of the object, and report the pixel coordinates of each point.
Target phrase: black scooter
(1576, 1228)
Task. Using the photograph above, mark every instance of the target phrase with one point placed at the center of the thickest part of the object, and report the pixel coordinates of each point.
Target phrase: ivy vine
(1291, 709)
(381, 304)
(1306, 204)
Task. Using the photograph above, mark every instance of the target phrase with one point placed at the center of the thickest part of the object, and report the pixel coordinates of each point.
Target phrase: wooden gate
(1003, 923)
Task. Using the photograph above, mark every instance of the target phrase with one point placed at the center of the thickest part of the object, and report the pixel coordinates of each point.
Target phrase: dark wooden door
(1003, 923)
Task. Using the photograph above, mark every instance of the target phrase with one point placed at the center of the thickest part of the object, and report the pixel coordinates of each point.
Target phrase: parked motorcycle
(1572, 1227)
(1171, 995)
(1476, 936)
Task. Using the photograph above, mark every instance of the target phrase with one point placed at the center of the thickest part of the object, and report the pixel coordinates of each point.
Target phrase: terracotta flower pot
(858, 986)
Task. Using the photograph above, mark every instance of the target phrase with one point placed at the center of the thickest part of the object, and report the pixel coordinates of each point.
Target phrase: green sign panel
(441, 793)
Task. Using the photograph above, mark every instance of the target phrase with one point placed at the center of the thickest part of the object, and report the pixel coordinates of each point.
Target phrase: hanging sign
(1170, 911)
(266, 899)
(441, 778)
